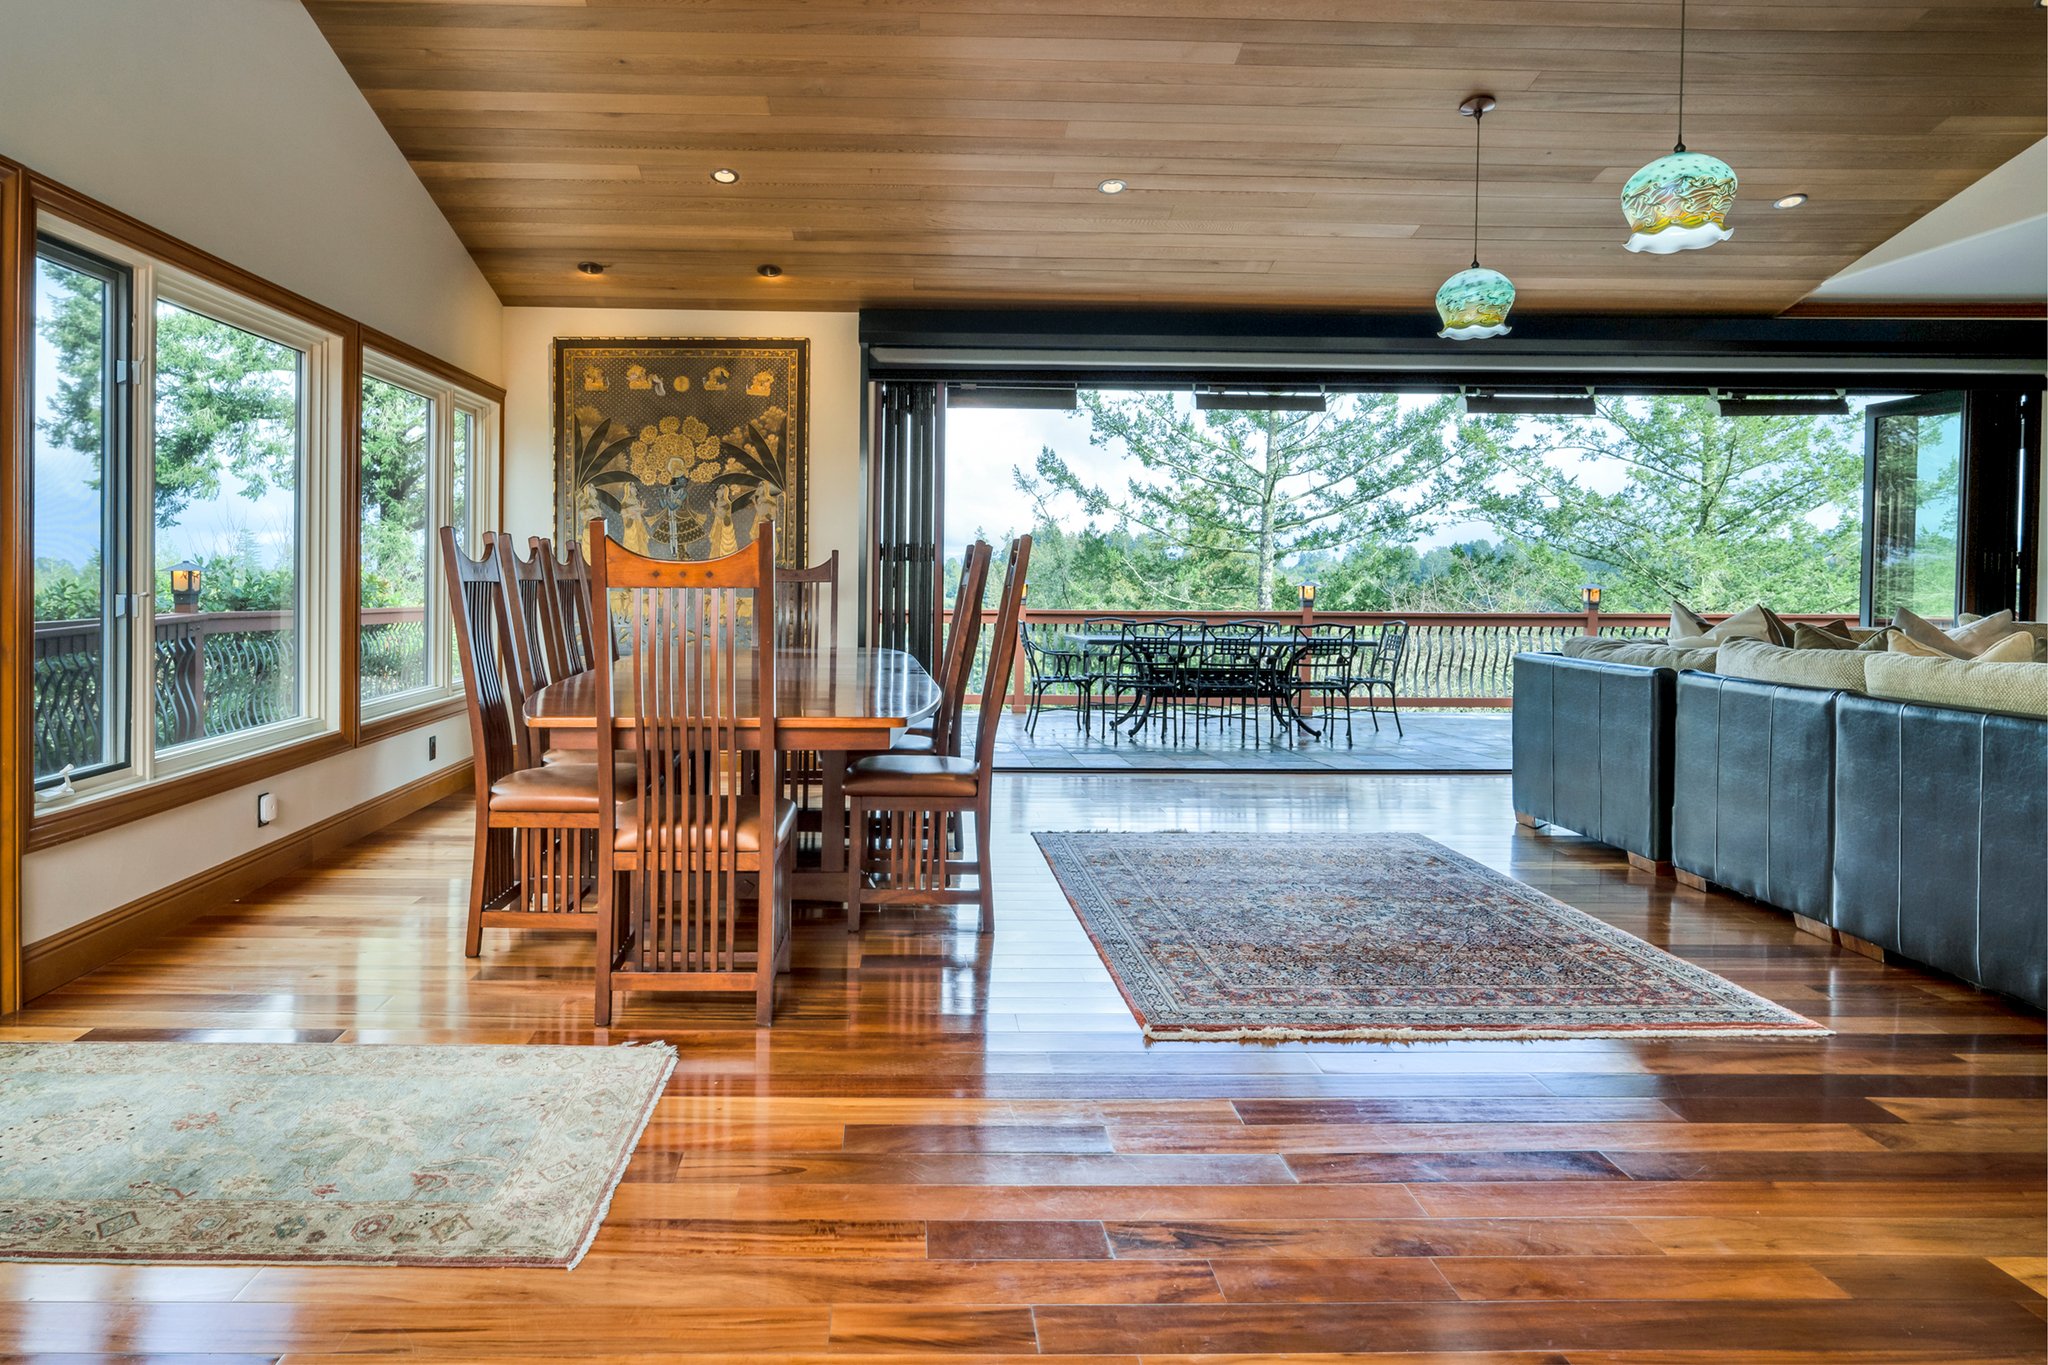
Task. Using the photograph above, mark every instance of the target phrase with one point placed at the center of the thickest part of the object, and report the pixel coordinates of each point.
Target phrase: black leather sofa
(1920, 830)
(1592, 751)
(1753, 790)
(1941, 839)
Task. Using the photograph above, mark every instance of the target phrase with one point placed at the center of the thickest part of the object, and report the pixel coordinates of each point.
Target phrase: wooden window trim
(25, 197)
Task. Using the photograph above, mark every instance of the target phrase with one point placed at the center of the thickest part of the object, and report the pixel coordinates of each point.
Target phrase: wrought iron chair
(902, 803)
(1152, 658)
(1385, 671)
(1327, 669)
(1053, 669)
(1230, 668)
(695, 862)
(535, 825)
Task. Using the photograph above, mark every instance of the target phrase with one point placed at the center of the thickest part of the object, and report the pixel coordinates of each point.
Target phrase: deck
(1429, 742)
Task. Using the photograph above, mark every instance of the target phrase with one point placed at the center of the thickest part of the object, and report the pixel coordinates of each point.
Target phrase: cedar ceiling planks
(1278, 153)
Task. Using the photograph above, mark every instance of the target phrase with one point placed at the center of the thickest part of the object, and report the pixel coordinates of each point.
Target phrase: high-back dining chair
(695, 865)
(569, 581)
(533, 645)
(807, 605)
(535, 853)
(902, 802)
(942, 733)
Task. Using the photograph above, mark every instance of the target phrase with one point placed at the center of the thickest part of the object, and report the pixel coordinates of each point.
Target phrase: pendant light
(1474, 302)
(1679, 202)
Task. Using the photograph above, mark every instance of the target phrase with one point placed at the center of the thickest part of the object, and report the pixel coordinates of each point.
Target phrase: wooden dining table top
(859, 698)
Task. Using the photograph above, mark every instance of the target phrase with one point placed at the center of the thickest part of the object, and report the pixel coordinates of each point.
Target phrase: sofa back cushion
(1642, 653)
(2013, 689)
(1761, 661)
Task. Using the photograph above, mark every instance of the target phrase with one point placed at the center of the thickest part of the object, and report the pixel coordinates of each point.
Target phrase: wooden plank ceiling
(1278, 152)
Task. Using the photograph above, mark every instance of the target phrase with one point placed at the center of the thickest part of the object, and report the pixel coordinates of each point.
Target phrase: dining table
(836, 702)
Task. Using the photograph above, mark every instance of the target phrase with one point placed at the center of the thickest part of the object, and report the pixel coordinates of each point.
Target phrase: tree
(394, 505)
(1231, 495)
(1717, 511)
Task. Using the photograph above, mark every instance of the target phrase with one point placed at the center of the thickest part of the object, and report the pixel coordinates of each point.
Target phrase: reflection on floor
(952, 1147)
(1429, 741)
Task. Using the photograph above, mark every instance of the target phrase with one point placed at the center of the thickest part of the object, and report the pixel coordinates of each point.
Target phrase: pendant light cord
(1477, 119)
(1681, 77)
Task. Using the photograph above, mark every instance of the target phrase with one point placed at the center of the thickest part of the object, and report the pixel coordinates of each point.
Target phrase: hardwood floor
(957, 1147)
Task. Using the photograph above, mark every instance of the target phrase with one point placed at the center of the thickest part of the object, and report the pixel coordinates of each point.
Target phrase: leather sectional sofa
(1919, 830)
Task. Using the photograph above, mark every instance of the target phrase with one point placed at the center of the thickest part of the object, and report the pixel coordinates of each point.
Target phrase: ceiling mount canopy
(1474, 303)
(1679, 202)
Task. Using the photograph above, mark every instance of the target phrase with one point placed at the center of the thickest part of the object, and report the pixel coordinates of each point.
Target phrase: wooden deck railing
(215, 672)
(1454, 659)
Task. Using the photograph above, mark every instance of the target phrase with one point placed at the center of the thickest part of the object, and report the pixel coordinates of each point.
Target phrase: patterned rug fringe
(604, 1206)
(1473, 1035)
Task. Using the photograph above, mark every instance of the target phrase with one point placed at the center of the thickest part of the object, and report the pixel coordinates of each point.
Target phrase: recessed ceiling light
(769, 272)
(590, 267)
(726, 175)
(1790, 201)
(1112, 186)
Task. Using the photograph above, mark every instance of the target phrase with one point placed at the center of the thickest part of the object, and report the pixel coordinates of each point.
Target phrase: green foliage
(396, 439)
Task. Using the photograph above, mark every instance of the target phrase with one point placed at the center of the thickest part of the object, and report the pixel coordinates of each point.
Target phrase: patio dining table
(1186, 663)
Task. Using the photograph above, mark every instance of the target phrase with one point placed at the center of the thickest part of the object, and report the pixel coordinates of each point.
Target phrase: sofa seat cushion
(2013, 689)
(1839, 670)
(557, 788)
(1642, 653)
(746, 831)
(923, 775)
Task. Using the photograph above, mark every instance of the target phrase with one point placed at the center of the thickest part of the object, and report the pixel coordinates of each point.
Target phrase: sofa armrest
(1592, 750)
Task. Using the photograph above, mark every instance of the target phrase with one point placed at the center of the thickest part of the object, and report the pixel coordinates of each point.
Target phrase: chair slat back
(956, 663)
(703, 691)
(477, 605)
(1393, 643)
(569, 584)
(1002, 652)
(535, 649)
(807, 605)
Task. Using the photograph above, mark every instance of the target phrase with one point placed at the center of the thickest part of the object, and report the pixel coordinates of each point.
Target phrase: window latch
(127, 604)
(127, 371)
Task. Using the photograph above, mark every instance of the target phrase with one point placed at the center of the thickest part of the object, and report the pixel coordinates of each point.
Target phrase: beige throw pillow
(1752, 623)
(2016, 648)
(1686, 624)
(1966, 641)
(1760, 660)
(1821, 637)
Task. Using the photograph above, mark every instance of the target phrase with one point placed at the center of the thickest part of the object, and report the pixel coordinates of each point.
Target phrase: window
(1915, 456)
(79, 689)
(182, 434)
(419, 446)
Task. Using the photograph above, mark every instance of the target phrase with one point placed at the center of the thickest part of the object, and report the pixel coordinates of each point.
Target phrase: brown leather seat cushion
(923, 727)
(910, 742)
(565, 788)
(748, 829)
(894, 774)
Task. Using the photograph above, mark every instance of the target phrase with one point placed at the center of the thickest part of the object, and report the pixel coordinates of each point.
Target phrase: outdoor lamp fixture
(1308, 596)
(1474, 302)
(1590, 595)
(186, 578)
(1679, 202)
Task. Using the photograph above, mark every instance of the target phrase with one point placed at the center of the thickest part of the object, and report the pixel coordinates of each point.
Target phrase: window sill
(94, 815)
(387, 723)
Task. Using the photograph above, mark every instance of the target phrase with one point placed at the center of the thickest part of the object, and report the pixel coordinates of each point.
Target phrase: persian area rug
(220, 1153)
(1373, 936)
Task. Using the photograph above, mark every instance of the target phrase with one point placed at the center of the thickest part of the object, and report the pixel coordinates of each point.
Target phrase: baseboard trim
(66, 956)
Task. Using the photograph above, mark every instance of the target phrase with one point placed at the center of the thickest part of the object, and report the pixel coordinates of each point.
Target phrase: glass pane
(398, 429)
(81, 721)
(1917, 477)
(458, 498)
(227, 528)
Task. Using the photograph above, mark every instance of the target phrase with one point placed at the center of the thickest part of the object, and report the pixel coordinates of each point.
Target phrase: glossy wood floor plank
(955, 1148)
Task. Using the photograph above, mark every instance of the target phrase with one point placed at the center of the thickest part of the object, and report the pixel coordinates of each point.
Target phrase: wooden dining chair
(902, 802)
(704, 834)
(536, 856)
(807, 605)
(569, 585)
(533, 649)
(941, 734)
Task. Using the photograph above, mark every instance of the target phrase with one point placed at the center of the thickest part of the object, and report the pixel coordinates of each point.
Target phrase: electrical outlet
(266, 809)
(433, 746)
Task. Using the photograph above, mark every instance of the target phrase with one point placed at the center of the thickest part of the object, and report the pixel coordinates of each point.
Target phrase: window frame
(396, 364)
(116, 496)
(322, 347)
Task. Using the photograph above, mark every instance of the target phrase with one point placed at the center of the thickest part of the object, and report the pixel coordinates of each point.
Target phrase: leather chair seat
(910, 742)
(894, 774)
(923, 728)
(560, 788)
(747, 833)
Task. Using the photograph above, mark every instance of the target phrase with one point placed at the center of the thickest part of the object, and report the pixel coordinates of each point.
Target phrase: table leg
(832, 824)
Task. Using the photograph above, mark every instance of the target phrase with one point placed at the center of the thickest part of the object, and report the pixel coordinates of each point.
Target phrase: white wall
(231, 124)
(835, 492)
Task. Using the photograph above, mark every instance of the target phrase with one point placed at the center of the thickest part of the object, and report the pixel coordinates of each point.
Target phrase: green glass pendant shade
(1679, 203)
(1474, 303)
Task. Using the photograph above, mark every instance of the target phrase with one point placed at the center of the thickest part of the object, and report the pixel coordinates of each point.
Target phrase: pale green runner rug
(209, 1153)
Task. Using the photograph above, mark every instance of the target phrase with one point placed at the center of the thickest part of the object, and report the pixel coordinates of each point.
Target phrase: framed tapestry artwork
(683, 444)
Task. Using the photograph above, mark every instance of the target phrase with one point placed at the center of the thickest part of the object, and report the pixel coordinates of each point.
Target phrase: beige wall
(835, 496)
(231, 124)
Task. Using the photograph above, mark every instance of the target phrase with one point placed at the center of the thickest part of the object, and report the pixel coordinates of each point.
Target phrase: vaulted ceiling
(1278, 152)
